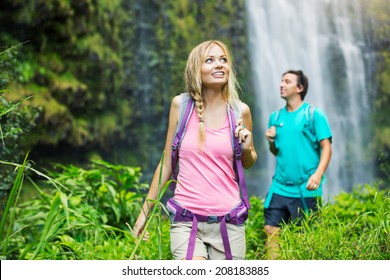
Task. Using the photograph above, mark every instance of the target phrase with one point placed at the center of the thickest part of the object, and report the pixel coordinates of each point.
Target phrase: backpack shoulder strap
(312, 109)
(310, 116)
(186, 108)
(185, 101)
(237, 163)
(276, 117)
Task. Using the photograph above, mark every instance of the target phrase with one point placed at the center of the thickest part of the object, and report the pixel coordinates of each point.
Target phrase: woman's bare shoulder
(245, 110)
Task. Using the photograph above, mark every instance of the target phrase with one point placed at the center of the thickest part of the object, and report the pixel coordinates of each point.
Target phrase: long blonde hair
(194, 85)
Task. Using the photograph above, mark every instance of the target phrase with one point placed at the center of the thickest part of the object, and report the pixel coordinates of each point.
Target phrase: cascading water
(324, 39)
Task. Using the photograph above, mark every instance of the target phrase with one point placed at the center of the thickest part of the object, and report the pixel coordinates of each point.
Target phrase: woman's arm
(166, 168)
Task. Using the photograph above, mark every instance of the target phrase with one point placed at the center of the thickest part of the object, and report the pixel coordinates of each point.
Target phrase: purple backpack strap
(191, 242)
(194, 230)
(225, 239)
(182, 125)
(183, 215)
(238, 168)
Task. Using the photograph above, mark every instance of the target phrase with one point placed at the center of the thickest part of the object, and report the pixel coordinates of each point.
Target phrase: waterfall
(324, 39)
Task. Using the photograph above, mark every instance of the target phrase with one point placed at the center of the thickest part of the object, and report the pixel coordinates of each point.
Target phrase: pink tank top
(206, 180)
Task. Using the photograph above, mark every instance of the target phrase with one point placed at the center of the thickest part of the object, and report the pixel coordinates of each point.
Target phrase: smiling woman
(206, 159)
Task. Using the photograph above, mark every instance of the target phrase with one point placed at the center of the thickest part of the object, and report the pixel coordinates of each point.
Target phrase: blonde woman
(206, 182)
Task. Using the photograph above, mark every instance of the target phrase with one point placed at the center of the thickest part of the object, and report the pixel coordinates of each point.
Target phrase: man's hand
(270, 134)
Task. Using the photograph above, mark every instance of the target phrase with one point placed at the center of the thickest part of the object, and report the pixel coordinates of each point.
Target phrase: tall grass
(356, 226)
(9, 211)
(155, 215)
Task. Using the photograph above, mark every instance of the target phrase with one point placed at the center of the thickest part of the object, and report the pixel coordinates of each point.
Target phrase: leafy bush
(78, 212)
(15, 122)
(110, 189)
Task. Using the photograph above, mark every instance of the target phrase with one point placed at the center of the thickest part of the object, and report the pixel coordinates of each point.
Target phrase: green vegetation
(77, 214)
(355, 226)
(16, 121)
(377, 34)
(103, 72)
(87, 214)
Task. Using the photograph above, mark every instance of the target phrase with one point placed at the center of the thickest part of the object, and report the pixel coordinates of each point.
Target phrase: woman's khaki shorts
(208, 242)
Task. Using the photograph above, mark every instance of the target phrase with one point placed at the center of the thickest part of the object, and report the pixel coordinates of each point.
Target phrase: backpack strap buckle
(213, 219)
(183, 212)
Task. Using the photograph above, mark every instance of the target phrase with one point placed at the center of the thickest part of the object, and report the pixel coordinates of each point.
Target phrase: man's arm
(326, 153)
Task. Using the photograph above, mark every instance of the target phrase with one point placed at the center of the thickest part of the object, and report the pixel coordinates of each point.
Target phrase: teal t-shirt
(298, 134)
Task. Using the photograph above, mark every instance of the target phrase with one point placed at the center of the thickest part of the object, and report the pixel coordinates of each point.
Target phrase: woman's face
(215, 68)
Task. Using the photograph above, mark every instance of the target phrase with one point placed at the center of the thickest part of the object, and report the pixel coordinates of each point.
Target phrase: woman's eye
(221, 60)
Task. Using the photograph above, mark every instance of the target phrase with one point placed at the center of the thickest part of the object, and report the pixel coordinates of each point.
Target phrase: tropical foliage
(103, 72)
(80, 214)
(15, 123)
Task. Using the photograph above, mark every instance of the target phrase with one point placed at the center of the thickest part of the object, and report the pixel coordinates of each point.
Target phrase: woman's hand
(244, 136)
(139, 227)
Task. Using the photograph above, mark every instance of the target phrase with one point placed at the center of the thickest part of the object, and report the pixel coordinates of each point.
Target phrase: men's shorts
(208, 242)
(284, 209)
